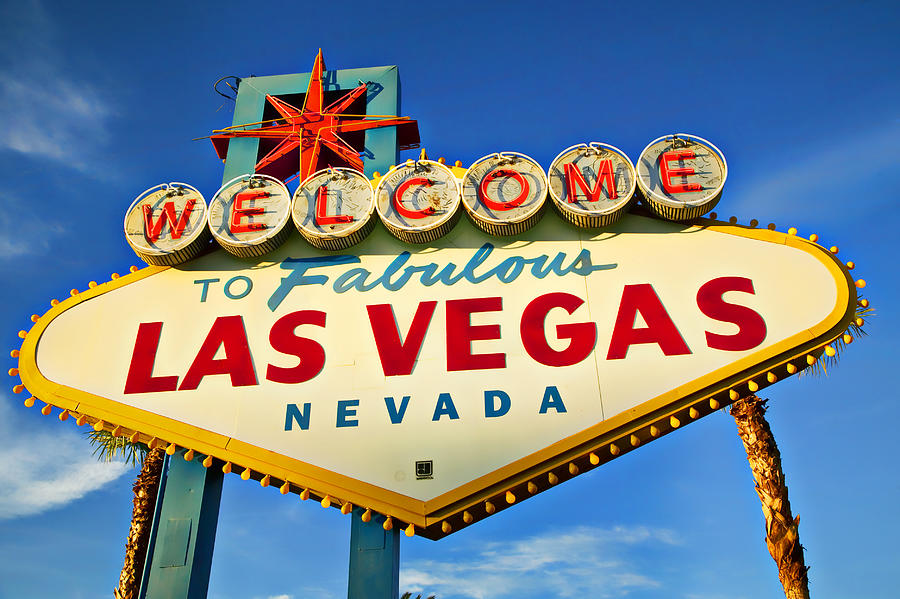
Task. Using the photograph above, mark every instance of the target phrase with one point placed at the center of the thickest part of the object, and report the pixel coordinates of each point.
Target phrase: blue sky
(99, 101)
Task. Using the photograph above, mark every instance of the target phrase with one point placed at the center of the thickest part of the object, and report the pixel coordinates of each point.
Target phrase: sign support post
(374, 558)
(184, 531)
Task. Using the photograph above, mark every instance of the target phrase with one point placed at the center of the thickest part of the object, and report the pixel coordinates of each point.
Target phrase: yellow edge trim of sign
(495, 490)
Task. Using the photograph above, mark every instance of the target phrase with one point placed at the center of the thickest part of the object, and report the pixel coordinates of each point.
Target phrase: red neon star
(304, 132)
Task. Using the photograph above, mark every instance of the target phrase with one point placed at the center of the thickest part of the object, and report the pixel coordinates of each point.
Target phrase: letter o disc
(333, 208)
(602, 179)
(504, 193)
(247, 216)
(165, 246)
(681, 176)
(418, 202)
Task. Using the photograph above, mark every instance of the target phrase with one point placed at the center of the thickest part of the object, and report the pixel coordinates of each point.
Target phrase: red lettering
(605, 175)
(496, 174)
(398, 356)
(238, 212)
(582, 335)
(666, 172)
(152, 230)
(660, 329)
(751, 326)
(140, 373)
(322, 207)
(284, 339)
(398, 196)
(226, 332)
(461, 332)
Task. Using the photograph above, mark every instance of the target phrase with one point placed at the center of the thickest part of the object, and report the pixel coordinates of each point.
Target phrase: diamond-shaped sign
(438, 385)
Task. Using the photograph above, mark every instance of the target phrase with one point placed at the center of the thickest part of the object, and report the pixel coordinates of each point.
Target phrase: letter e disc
(333, 208)
(681, 176)
(418, 202)
(249, 214)
(166, 224)
(592, 185)
(504, 193)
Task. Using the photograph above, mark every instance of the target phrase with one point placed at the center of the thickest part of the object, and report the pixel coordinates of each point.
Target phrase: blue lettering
(444, 407)
(555, 266)
(582, 264)
(230, 281)
(346, 409)
(427, 270)
(293, 414)
(396, 275)
(552, 399)
(297, 277)
(391, 270)
(355, 277)
(396, 415)
(510, 269)
(480, 255)
(206, 283)
(445, 276)
(491, 410)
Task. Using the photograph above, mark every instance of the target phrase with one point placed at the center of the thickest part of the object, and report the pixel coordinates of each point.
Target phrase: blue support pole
(374, 559)
(184, 531)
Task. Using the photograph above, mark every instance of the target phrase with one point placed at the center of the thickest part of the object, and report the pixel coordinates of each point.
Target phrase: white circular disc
(346, 194)
(249, 212)
(513, 203)
(149, 222)
(416, 199)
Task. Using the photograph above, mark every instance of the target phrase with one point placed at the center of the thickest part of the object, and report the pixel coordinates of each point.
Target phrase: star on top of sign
(303, 133)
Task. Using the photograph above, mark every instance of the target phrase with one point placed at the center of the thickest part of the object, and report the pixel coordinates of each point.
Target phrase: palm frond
(856, 330)
(107, 447)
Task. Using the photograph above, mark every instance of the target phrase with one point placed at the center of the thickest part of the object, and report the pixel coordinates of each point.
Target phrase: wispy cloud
(46, 112)
(42, 469)
(826, 178)
(582, 561)
(64, 121)
(24, 232)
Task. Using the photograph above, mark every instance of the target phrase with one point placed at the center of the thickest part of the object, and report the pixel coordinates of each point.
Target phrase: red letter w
(153, 230)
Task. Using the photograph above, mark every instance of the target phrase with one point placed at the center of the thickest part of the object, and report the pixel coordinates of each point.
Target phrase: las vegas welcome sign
(362, 343)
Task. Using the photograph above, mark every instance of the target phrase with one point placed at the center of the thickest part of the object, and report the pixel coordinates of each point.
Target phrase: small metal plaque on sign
(424, 469)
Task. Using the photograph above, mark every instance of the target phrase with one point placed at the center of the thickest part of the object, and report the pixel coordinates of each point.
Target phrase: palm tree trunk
(145, 489)
(782, 536)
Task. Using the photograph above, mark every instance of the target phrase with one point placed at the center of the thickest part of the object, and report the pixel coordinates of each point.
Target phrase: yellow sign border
(496, 490)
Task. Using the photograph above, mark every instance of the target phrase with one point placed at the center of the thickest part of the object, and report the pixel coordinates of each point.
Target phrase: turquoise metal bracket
(384, 98)
(374, 559)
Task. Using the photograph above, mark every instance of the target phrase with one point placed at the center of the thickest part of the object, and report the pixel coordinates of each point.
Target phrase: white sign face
(478, 358)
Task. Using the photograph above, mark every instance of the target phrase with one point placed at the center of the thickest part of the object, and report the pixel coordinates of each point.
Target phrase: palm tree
(108, 447)
(408, 595)
(782, 534)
